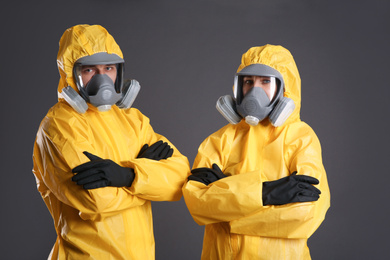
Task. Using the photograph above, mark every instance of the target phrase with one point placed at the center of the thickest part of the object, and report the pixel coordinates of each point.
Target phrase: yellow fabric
(110, 222)
(238, 226)
(80, 41)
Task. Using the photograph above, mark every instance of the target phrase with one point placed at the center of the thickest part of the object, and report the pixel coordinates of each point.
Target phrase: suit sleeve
(56, 152)
(159, 180)
(294, 220)
(223, 200)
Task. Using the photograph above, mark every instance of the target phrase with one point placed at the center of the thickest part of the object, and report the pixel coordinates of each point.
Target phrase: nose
(257, 82)
(100, 71)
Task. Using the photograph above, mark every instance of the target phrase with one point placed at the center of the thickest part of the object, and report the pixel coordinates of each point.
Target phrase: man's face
(259, 81)
(88, 71)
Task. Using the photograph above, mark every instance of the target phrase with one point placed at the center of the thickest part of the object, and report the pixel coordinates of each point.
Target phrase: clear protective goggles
(77, 75)
(101, 58)
(243, 83)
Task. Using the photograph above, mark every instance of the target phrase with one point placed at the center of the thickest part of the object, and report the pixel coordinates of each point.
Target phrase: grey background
(185, 53)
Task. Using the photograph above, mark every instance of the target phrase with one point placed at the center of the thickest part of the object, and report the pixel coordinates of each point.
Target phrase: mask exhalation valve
(251, 120)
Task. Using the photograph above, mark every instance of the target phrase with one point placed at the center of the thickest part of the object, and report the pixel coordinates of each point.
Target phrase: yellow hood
(80, 41)
(280, 59)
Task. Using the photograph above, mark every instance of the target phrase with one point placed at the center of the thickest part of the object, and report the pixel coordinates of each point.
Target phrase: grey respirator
(255, 106)
(101, 91)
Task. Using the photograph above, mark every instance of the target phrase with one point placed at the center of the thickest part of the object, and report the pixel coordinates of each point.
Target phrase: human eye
(86, 70)
(110, 67)
(248, 81)
(266, 80)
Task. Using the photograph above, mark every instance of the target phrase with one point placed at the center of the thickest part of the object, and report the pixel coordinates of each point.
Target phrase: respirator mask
(256, 105)
(101, 91)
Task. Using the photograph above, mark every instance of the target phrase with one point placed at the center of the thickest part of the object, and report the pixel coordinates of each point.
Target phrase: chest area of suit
(262, 151)
(115, 134)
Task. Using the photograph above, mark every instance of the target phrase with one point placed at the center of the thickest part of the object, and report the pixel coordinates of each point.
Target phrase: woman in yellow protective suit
(98, 163)
(259, 185)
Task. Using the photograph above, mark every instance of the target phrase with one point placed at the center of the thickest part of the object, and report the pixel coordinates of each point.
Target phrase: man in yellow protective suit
(258, 184)
(97, 162)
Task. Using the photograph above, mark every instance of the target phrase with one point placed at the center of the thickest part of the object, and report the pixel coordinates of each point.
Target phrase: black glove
(293, 188)
(101, 173)
(156, 151)
(207, 175)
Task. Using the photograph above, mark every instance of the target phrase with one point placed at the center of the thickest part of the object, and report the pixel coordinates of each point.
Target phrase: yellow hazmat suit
(109, 222)
(238, 226)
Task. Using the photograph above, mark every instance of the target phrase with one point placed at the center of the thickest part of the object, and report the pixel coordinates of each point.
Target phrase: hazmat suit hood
(279, 58)
(81, 41)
